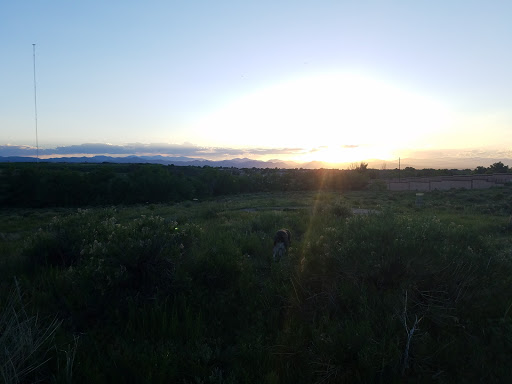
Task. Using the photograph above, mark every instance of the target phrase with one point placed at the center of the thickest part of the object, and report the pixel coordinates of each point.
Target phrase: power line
(35, 100)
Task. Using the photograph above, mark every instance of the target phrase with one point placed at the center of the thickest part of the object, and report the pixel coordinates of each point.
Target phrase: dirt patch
(9, 236)
(258, 209)
(361, 211)
(355, 211)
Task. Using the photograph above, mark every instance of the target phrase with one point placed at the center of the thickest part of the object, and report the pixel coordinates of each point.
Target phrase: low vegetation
(42, 185)
(189, 293)
(77, 185)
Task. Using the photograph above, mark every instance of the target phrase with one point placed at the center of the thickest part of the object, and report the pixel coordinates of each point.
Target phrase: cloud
(139, 149)
(323, 147)
(191, 151)
(484, 153)
(17, 150)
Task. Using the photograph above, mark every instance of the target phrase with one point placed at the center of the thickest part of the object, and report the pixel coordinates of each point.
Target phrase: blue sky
(305, 80)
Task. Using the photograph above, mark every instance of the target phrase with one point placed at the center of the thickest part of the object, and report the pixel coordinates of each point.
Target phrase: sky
(336, 81)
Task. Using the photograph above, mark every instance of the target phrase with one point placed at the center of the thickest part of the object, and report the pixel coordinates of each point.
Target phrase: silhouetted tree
(480, 170)
(498, 167)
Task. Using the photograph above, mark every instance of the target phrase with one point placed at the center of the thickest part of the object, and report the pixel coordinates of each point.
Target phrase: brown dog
(282, 241)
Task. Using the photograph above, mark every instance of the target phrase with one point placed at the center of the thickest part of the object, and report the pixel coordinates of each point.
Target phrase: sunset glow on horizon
(351, 116)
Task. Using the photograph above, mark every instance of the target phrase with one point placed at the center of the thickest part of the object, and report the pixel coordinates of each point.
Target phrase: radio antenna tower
(35, 100)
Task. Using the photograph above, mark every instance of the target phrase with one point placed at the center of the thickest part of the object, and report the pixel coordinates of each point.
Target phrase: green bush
(341, 209)
(59, 243)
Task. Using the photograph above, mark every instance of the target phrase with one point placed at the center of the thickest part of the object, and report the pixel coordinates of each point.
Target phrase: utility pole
(398, 169)
(35, 100)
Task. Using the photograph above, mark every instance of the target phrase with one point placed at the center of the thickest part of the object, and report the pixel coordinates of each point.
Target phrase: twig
(410, 334)
(506, 312)
(296, 294)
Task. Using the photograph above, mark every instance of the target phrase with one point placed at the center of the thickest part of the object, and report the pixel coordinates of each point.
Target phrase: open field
(374, 288)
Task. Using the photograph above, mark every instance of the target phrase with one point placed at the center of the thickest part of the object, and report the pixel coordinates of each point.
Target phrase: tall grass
(400, 295)
(25, 340)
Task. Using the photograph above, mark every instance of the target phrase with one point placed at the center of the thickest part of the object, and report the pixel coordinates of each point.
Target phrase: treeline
(498, 167)
(73, 185)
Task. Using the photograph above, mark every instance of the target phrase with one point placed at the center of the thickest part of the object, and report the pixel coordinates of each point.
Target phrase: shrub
(341, 209)
(58, 244)
(140, 257)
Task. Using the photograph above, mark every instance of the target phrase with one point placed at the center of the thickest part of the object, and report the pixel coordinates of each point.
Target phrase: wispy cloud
(322, 147)
(484, 153)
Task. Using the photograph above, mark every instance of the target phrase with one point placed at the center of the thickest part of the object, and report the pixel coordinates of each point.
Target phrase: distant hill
(435, 163)
(183, 161)
(439, 163)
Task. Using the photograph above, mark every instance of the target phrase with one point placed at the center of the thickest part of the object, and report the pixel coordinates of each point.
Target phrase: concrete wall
(397, 186)
(419, 186)
(448, 182)
(482, 184)
(503, 178)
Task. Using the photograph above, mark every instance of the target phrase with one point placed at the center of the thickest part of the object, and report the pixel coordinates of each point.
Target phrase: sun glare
(339, 117)
(345, 154)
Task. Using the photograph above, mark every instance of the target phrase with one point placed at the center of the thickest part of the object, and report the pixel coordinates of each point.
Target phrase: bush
(341, 209)
(58, 244)
(138, 257)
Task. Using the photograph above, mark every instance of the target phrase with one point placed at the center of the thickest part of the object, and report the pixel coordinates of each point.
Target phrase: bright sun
(346, 154)
(331, 117)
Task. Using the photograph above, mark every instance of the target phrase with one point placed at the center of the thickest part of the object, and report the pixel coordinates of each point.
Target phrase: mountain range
(436, 163)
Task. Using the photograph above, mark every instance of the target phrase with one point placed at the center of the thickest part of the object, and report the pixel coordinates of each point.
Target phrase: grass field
(374, 289)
